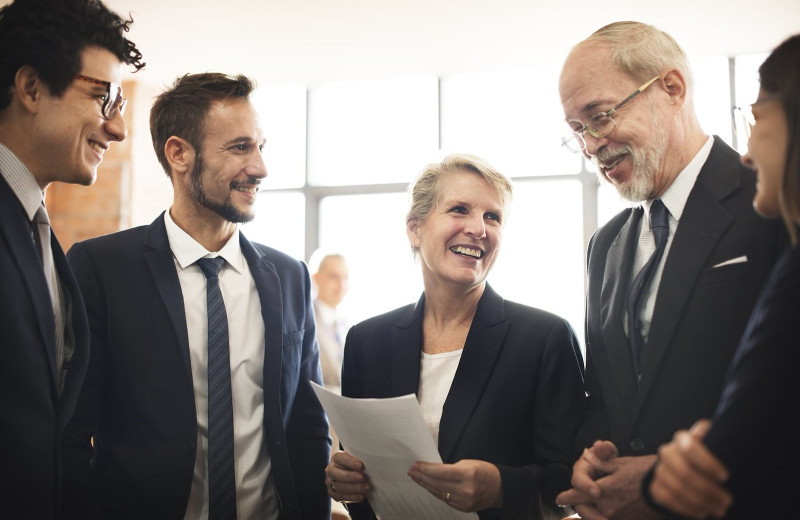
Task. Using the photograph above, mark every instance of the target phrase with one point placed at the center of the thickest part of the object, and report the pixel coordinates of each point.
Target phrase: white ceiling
(318, 41)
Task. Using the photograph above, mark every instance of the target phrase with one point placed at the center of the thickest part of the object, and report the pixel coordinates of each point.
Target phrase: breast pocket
(730, 273)
(292, 351)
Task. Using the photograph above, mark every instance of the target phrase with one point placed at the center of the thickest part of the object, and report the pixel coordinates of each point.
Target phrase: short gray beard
(646, 162)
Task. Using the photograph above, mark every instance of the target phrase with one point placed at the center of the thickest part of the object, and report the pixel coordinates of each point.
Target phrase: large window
(339, 181)
(371, 132)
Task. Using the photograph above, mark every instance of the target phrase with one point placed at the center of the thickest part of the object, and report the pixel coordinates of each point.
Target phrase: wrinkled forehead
(590, 81)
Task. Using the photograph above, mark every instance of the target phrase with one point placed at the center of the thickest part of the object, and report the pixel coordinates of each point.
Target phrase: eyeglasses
(745, 121)
(599, 125)
(113, 99)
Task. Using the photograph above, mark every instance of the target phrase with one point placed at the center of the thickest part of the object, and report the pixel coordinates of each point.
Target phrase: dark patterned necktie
(221, 475)
(659, 224)
(42, 222)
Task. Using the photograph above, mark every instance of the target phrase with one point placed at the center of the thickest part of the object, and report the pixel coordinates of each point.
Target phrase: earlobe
(675, 85)
(27, 88)
(411, 231)
(180, 155)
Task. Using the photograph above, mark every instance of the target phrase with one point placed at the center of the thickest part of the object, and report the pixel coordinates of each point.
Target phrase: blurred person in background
(330, 275)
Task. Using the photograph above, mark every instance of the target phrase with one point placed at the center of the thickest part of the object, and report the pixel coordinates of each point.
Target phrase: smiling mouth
(252, 189)
(606, 166)
(466, 251)
(99, 148)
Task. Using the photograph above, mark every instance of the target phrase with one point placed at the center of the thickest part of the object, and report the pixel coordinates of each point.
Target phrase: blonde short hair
(425, 191)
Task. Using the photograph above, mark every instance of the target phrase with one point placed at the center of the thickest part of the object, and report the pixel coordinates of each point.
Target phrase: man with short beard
(197, 402)
(660, 333)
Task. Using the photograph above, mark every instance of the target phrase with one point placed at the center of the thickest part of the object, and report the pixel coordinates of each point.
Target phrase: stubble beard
(224, 209)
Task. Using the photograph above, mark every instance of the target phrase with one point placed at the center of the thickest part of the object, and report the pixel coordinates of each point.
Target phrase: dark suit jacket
(138, 399)
(756, 428)
(699, 315)
(515, 401)
(32, 414)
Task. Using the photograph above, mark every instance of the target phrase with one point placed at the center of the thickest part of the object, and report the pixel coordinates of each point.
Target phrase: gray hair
(643, 51)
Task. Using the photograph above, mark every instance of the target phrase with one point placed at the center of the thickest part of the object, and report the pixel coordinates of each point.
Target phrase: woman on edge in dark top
(745, 462)
(499, 384)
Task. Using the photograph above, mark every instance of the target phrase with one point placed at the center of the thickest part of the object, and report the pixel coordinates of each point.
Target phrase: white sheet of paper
(389, 436)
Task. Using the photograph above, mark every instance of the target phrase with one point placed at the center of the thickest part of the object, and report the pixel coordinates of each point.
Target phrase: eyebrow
(244, 140)
(456, 202)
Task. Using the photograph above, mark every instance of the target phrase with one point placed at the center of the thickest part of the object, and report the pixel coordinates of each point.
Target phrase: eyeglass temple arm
(632, 96)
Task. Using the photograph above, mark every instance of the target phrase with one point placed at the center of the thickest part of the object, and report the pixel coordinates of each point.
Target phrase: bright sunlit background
(341, 155)
(356, 96)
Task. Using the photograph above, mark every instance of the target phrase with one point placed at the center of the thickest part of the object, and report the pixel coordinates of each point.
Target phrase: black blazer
(515, 401)
(32, 414)
(699, 316)
(138, 400)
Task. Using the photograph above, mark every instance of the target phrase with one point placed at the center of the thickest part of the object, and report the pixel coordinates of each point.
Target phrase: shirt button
(637, 445)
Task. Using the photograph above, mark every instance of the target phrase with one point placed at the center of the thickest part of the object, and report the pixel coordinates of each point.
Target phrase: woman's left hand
(467, 485)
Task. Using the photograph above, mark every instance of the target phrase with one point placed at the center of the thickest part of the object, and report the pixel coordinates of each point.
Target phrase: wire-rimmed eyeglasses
(113, 99)
(745, 120)
(599, 125)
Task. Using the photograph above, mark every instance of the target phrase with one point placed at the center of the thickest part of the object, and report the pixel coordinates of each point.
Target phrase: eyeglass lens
(113, 101)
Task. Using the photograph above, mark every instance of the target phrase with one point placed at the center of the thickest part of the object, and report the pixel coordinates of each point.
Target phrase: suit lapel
(268, 286)
(16, 228)
(405, 340)
(159, 258)
(617, 276)
(702, 225)
(483, 346)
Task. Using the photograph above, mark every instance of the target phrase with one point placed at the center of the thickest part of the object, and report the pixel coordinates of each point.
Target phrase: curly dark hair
(181, 110)
(50, 36)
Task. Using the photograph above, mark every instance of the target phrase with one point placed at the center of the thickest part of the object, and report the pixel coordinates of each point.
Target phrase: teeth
(475, 253)
(608, 166)
(96, 146)
(247, 189)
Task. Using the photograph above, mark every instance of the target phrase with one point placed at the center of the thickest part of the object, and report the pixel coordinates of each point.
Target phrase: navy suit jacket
(32, 414)
(756, 427)
(138, 400)
(700, 310)
(515, 401)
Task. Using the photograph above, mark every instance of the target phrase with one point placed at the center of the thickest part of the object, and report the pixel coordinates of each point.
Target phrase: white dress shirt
(674, 199)
(256, 497)
(31, 197)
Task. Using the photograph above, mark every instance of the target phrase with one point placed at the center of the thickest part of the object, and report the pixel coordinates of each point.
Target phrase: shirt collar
(187, 250)
(325, 312)
(21, 181)
(678, 192)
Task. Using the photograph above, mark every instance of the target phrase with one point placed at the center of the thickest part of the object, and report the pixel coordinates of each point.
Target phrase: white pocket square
(738, 260)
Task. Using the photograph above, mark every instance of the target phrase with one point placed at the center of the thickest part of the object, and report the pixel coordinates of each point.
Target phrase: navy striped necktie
(221, 474)
(659, 224)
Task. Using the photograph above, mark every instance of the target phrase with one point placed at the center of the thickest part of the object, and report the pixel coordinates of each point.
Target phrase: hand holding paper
(389, 436)
(467, 485)
(346, 480)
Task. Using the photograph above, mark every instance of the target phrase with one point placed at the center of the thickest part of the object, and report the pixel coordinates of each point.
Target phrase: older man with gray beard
(672, 281)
